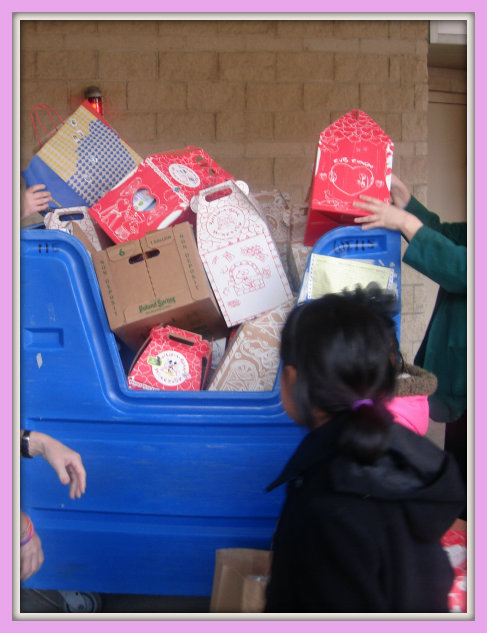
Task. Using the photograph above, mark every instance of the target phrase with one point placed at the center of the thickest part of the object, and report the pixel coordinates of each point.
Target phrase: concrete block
(356, 66)
(274, 96)
(361, 28)
(247, 66)
(300, 126)
(305, 28)
(163, 95)
(243, 126)
(386, 98)
(127, 65)
(216, 96)
(415, 126)
(331, 95)
(304, 66)
(52, 64)
(190, 66)
(187, 128)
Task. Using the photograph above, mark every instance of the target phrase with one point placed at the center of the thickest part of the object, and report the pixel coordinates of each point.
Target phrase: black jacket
(364, 539)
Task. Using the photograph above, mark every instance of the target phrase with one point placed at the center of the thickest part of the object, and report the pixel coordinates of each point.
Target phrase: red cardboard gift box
(172, 360)
(157, 194)
(354, 157)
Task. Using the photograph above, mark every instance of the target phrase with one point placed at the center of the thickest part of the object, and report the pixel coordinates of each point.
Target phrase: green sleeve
(455, 231)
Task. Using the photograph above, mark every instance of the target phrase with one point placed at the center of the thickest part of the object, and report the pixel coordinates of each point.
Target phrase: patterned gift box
(354, 157)
(76, 221)
(273, 206)
(172, 360)
(82, 161)
(157, 194)
(239, 254)
(251, 360)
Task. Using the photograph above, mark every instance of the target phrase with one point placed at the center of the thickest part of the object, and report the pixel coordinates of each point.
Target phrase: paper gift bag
(354, 157)
(83, 160)
(240, 580)
(239, 254)
(157, 194)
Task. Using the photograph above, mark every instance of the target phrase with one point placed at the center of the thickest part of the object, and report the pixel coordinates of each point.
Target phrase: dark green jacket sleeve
(439, 250)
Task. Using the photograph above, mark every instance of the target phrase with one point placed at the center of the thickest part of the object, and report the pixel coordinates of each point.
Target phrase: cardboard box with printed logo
(354, 157)
(157, 279)
(157, 194)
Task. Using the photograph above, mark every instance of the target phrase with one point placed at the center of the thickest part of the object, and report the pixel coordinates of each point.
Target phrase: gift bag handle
(51, 112)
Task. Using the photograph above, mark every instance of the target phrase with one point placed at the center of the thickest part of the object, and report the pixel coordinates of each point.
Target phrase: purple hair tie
(367, 402)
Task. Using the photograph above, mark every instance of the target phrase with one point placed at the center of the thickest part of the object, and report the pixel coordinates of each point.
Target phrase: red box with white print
(172, 360)
(238, 254)
(354, 157)
(157, 194)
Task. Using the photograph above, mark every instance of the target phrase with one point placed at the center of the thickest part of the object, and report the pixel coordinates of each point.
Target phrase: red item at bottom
(455, 544)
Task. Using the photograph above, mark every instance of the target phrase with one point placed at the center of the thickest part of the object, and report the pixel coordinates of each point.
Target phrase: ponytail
(365, 432)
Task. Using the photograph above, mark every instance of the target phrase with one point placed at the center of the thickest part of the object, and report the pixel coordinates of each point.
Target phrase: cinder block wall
(254, 94)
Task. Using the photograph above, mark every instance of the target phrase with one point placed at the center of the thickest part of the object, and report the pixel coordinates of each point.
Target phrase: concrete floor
(33, 601)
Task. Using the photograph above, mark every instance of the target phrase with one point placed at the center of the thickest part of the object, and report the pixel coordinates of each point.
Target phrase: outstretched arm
(387, 216)
(35, 199)
(66, 462)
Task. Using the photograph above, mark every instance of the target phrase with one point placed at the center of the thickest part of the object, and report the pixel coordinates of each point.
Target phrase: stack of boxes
(189, 260)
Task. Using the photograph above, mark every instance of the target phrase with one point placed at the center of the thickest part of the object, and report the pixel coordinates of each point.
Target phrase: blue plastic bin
(171, 476)
(375, 246)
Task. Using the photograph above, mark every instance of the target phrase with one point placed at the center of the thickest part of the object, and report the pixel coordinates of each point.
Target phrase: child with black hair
(367, 499)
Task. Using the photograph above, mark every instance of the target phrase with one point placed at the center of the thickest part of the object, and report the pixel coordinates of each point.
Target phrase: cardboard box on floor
(158, 279)
(354, 157)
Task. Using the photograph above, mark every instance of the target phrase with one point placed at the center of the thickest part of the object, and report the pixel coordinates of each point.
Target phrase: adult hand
(35, 199)
(400, 195)
(388, 216)
(66, 462)
(31, 557)
(68, 465)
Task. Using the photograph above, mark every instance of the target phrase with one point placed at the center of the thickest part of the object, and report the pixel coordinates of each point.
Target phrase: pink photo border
(314, 10)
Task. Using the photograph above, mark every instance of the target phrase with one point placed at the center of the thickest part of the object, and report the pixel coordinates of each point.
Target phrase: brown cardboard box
(239, 580)
(158, 279)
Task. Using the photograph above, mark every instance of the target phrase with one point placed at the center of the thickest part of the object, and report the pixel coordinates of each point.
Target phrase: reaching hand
(35, 199)
(388, 216)
(399, 192)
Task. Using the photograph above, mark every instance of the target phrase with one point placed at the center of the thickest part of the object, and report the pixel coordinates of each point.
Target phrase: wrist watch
(24, 445)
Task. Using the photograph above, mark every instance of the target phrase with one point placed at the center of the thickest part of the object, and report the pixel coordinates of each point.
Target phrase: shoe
(81, 602)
